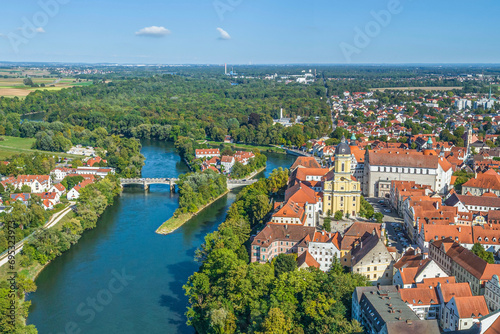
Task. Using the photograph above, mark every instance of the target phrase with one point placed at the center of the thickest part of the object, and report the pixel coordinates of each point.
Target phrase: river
(80, 290)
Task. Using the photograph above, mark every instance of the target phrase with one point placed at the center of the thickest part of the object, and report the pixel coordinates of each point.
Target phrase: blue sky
(255, 31)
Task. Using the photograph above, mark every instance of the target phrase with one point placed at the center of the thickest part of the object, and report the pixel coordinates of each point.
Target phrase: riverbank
(252, 175)
(247, 147)
(174, 223)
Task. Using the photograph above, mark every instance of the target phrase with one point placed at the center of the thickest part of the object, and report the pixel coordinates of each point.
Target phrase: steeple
(353, 139)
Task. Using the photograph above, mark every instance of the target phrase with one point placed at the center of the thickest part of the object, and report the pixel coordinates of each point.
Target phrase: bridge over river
(171, 182)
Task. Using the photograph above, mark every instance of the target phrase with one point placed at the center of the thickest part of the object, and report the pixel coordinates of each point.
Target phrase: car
(387, 211)
(381, 201)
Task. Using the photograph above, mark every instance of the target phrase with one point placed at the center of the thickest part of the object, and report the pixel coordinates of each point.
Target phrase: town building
(325, 249)
(37, 183)
(487, 182)
(310, 200)
(492, 293)
(383, 311)
(207, 153)
(371, 258)
(384, 166)
(277, 239)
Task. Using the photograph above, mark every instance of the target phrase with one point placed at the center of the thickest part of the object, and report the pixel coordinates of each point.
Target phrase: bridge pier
(146, 186)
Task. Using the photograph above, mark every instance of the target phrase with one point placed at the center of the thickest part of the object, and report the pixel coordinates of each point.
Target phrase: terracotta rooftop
(454, 290)
(488, 180)
(307, 162)
(419, 296)
(308, 259)
(471, 307)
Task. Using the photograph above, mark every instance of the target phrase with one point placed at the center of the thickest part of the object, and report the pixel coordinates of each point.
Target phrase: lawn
(15, 145)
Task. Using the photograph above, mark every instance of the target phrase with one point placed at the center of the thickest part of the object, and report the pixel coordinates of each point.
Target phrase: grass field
(12, 87)
(15, 145)
(428, 89)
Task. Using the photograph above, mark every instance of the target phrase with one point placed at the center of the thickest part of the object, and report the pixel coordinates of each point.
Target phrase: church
(341, 190)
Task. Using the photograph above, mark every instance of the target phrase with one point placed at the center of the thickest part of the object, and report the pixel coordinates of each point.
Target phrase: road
(389, 218)
(52, 221)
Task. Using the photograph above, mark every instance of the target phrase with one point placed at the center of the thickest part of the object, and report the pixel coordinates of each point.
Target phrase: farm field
(427, 89)
(12, 87)
(15, 145)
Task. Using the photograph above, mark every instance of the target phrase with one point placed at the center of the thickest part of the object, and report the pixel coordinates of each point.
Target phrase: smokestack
(281, 113)
(225, 69)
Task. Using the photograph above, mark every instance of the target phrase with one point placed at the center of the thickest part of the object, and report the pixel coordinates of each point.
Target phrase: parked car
(387, 211)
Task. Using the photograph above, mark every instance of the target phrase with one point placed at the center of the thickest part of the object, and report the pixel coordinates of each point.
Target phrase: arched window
(343, 167)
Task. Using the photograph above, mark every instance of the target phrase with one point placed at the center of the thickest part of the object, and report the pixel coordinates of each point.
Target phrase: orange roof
(423, 296)
(455, 290)
(433, 282)
(487, 180)
(471, 307)
(308, 259)
(290, 210)
(408, 274)
(461, 234)
(307, 162)
(300, 193)
(325, 237)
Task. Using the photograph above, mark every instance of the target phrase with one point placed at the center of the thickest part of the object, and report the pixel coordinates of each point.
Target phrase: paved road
(52, 221)
(389, 218)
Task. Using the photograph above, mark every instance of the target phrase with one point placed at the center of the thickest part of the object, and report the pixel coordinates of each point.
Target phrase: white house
(492, 293)
(325, 248)
(96, 171)
(37, 183)
(227, 162)
(460, 313)
(410, 276)
(60, 173)
(207, 153)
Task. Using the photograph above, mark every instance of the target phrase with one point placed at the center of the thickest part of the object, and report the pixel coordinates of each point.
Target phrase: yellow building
(341, 190)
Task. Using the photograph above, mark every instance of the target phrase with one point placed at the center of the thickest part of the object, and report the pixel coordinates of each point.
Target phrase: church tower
(341, 191)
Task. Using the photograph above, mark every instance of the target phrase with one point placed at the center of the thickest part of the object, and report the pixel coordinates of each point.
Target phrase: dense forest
(169, 106)
(230, 295)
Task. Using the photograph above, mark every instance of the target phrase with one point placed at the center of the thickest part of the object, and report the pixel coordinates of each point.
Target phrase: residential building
(469, 203)
(460, 313)
(207, 153)
(227, 162)
(492, 293)
(277, 239)
(324, 247)
(96, 171)
(60, 173)
(383, 311)
(309, 199)
(460, 262)
(74, 192)
(487, 182)
(289, 213)
(37, 183)
(423, 301)
(374, 260)
(356, 233)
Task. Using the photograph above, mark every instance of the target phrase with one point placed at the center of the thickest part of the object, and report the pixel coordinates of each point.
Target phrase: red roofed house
(277, 239)
(310, 200)
(74, 193)
(37, 183)
(207, 153)
(488, 181)
(289, 213)
(460, 313)
(325, 248)
(92, 161)
(58, 188)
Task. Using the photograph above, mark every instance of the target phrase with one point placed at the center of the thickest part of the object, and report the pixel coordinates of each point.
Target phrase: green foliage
(327, 224)
(284, 263)
(366, 209)
(479, 250)
(197, 189)
(70, 181)
(228, 295)
(379, 216)
(462, 177)
(240, 171)
(338, 215)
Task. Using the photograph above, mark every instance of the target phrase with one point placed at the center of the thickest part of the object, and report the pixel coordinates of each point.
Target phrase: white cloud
(153, 31)
(223, 34)
(40, 30)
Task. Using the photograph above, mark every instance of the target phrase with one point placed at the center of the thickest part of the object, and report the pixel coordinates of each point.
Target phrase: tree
(338, 215)
(379, 216)
(276, 322)
(284, 263)
(479, 250)
(327, 224)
